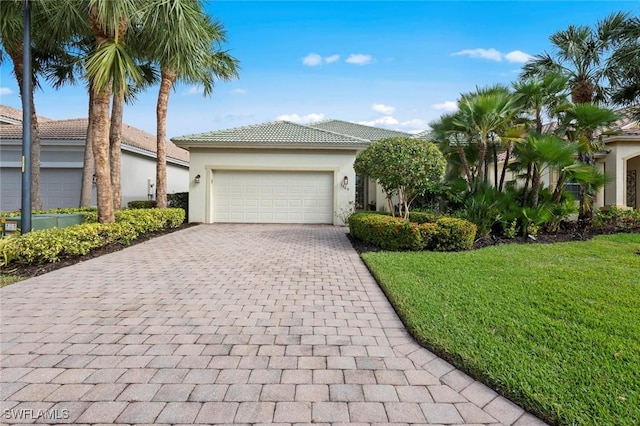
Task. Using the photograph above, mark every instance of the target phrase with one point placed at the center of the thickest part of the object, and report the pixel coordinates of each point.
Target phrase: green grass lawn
(554, 327)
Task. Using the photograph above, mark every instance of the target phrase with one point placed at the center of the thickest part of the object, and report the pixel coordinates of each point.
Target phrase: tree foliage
(403, 167)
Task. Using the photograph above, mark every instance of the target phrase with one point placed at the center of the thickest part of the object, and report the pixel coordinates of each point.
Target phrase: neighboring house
(279, 172)
(62, 157)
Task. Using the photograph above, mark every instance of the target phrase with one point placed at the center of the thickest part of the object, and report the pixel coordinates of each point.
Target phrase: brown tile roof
(76, 129)
(14, 114)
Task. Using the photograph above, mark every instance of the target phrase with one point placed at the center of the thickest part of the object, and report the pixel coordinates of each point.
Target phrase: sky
(392, 64)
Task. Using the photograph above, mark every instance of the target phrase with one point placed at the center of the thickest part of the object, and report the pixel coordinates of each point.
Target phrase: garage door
(272, 197)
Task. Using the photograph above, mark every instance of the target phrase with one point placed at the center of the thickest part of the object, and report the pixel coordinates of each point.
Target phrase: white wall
(616, 165)
(137, 170)
(204, 160)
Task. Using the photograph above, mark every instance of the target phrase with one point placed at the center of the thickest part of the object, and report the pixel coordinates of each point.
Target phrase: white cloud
(386, 120)
(492, 54)
(448, 106)
(5, 91)
(331, 59)
(417, 125)
(301, 119)
(359, 59)
(517, 56)
(383, 109)
(194, 90)
(312, 60)
(239, 91)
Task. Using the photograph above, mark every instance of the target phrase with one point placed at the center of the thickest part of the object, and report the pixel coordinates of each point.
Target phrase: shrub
(141, 204)
(50, 245)
(453, 234)
(179, 200)
(618, 218)
(387, 232)
(423, 217)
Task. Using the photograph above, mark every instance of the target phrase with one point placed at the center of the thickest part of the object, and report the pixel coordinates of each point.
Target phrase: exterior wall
(633, 164)
(623, 155)
(139, 172)
(203, 161)
(61, 174)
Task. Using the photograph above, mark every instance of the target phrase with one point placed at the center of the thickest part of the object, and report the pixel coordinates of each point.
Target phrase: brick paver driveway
(225, 324)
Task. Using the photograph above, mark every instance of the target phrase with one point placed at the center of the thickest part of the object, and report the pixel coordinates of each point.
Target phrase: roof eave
(216, 145)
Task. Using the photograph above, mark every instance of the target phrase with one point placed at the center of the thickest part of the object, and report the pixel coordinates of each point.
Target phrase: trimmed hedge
(141, 204)
(50, 245)
(392, 233)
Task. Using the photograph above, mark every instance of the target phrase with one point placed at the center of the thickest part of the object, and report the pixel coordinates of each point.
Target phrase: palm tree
(185, 45)
(623, 67)
(538, 153)
(580, 54)
(11, 38)
(482, 113)
(108, 66)
(580, 124)
(542, 95)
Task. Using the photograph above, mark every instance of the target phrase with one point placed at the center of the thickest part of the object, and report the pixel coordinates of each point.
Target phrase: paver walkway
(226, 324)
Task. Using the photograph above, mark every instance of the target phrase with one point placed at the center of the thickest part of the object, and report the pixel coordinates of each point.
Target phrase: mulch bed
(39, 269)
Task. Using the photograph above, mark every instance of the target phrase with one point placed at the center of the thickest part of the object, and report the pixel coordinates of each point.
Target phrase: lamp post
(26, 118)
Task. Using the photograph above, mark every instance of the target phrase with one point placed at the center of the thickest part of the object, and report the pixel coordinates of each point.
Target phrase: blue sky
(391, 64)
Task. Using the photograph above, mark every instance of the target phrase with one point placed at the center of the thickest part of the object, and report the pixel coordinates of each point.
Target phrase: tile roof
(11, 115)
(357, 130)
(272, 134)
(76, 129)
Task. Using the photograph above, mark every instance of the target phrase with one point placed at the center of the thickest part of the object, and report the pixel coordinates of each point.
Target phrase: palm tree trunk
(526, 185)
(100, 139)
(115, 139)
(535, 186)
(168, 78)
(495, 166)
(482, 155)
(503, 174)
(16, 58)
(465, 165)
(88, 167)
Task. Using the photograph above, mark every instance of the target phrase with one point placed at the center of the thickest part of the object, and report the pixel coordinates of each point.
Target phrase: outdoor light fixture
(94, 180)
(345, 183)
(197, 179)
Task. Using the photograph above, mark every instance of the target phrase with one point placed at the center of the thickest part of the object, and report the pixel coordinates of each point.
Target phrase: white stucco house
(62, 157)
(279, 172)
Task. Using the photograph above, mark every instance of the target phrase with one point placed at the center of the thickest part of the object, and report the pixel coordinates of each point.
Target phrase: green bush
(423, 217)
(389, 233)
(623, 219)
(50, 245)
(179, 200)
(141, 204)
(453, 234)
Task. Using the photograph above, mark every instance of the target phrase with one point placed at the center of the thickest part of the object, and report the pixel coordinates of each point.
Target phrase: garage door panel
(272, 197)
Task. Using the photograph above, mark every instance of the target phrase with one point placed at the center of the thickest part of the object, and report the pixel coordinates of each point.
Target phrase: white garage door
(272, 197)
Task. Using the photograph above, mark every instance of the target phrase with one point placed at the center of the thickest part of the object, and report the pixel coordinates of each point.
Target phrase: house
(279, 172)
(62, 157)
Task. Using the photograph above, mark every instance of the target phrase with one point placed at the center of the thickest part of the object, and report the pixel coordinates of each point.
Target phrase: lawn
(556, 328)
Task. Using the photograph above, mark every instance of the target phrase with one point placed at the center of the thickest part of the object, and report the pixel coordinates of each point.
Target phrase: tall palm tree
(11, 25)
(580, 53)
(623, 67)
(184, 42)
(108, 66)
(541, 95)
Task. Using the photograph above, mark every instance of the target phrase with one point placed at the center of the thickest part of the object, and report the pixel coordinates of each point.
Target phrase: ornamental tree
(404, 167)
